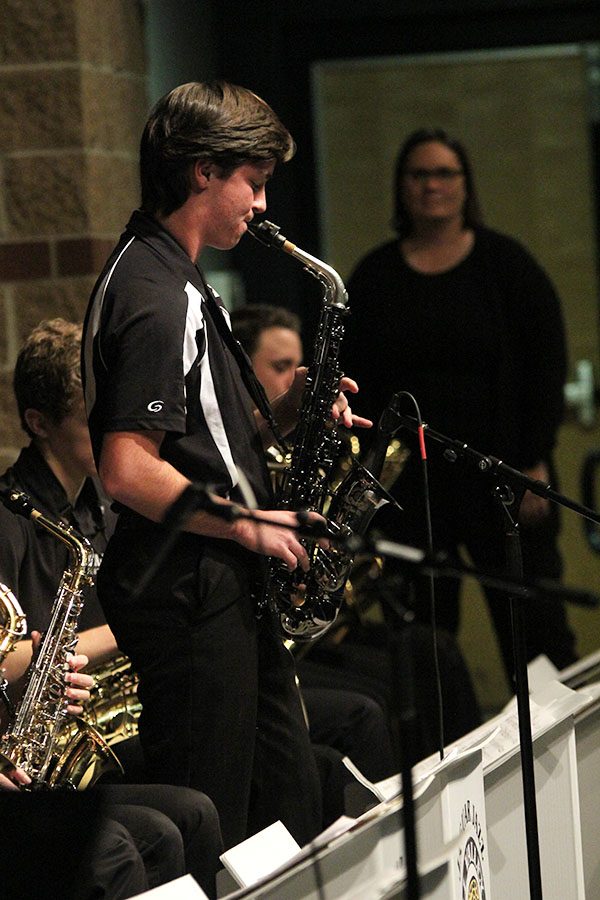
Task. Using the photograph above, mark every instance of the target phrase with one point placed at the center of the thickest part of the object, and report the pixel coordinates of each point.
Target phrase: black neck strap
(253, 385)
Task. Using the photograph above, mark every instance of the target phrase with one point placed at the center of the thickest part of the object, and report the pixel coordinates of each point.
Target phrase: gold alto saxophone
(13, 624)
(13, 627)
(34, 739)
(305, 605)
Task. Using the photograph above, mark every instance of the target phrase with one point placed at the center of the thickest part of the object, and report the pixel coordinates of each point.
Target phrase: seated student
(356, 659)
(56, 470)
(127, 850)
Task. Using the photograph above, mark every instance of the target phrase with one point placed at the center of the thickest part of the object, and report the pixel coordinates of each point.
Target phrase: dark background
(270, 47)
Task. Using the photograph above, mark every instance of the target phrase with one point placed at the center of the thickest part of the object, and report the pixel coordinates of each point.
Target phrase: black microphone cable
(430, 576)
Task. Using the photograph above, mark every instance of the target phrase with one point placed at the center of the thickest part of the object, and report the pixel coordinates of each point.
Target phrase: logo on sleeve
(155, 405)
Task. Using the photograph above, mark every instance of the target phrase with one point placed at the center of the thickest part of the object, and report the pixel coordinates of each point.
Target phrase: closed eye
(282, 365)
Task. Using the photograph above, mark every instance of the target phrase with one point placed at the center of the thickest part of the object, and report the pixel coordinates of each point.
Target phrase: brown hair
(248, 323)
(47, 373)
(215, 121)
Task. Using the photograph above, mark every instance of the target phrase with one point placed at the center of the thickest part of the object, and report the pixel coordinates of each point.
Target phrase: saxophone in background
(115, 708)
(34, 740)
(13, 624)
(13, 627)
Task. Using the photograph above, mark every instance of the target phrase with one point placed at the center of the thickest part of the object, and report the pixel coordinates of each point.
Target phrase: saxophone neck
(270, 235)
(335, 290)
(79, 546)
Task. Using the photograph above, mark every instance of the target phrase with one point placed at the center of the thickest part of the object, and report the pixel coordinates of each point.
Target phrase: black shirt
(481, 346)
(154, 360)
(32, 561)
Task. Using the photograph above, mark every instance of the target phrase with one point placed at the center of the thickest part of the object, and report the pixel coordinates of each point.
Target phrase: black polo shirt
(153, 359)
(32, 561)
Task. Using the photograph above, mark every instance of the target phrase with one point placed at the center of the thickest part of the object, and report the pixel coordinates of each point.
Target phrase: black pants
(113, 868)
(352, 723)
(187, 820)
(130, 834)
(221, 710)
(363, 662)
(65, 844)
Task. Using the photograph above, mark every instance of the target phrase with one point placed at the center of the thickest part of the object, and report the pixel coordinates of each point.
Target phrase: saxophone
(116, 708)
(33, 740)
(13, 625)
(304, 605)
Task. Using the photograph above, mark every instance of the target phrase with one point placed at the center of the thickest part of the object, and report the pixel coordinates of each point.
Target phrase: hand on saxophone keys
(78, 684)
(286, 406)
(274, 537)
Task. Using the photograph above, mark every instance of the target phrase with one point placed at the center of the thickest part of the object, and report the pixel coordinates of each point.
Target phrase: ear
(36, 422)
(201, 174)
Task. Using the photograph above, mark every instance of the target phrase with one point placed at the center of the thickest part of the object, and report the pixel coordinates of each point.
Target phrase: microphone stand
(505, 499)
(518, 590)
(385, 590)
(495, 467)
(197, 496)
(510, 486)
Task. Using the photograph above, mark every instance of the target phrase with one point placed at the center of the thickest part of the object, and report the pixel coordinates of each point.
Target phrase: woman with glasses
(464, 319)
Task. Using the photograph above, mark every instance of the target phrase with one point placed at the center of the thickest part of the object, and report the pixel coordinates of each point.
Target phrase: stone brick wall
(72, 105)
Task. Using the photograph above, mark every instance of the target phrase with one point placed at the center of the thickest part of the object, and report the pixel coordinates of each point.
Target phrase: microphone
(318, 528)
(194, 497)
(388, 424)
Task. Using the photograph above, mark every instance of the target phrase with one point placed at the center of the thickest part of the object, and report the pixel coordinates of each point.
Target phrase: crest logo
(470, 862)
(472, 884)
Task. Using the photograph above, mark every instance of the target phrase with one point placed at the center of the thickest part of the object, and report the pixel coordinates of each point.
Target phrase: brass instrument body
(32, 741)
(13, 624)
(110, 717)
(80, 755)
(116, 707)
(304, 605)
(297, 603)
(353, 504)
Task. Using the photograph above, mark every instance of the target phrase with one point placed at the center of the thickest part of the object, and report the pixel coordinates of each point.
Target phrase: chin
(228, 244)
(235, 236)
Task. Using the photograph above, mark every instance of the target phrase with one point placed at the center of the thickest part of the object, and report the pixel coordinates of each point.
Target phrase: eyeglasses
(441, 174)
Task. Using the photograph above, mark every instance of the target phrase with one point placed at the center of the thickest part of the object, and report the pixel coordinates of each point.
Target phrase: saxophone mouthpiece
(267, 233)
(19, 503)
